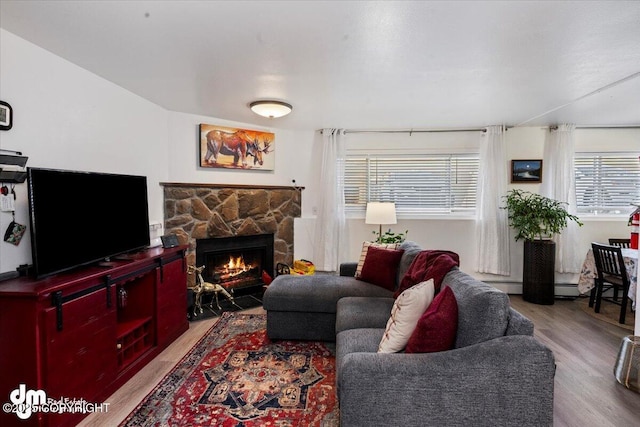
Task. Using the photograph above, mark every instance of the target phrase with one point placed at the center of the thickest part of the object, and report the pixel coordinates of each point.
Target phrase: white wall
(68, 118)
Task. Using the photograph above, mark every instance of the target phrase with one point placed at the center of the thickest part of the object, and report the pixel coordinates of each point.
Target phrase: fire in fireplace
(231, 271)
(236, 263)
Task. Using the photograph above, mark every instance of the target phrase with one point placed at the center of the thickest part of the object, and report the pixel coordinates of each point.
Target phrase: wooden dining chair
(623, 243)
(611, 274)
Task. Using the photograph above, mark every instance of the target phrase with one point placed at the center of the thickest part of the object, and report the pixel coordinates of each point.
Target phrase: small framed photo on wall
(6, 116)
(526, 171)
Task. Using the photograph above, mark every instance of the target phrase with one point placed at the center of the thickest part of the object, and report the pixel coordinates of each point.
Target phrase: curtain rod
(412, 131)
(555, 127)
(506, 128)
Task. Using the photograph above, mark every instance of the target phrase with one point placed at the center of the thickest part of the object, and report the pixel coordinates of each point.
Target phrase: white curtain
(330, 231)
(492, 224)
(559, 183)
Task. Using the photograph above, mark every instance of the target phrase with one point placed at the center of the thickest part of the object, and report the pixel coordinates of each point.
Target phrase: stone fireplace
(211, 211)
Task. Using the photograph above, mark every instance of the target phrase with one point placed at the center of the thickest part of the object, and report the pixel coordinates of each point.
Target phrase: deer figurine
(203, 287)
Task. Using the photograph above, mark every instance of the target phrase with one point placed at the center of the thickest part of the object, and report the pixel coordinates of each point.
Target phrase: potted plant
(390, 237)
(537, 219)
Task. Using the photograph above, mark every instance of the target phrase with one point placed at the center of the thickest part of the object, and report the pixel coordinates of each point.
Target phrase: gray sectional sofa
(498, 374)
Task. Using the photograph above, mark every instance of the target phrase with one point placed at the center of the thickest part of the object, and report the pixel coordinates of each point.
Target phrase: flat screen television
(79, 218)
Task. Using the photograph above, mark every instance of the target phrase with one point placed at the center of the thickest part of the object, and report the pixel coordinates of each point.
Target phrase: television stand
(83, 334)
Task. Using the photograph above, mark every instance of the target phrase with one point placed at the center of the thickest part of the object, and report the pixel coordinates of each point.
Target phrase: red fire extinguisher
(635, 228)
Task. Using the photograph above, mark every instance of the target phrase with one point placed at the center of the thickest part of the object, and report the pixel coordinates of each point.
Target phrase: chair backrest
(623, 243)
(609, 261)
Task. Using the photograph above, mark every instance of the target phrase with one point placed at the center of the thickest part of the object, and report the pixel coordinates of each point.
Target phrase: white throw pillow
(406, 311)
(365, 249)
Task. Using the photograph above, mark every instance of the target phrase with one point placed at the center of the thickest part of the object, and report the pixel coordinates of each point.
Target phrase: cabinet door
(171, 288)
(80, 357)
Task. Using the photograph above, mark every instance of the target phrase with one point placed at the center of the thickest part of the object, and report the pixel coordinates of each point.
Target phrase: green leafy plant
(390, 237)
(535, 217)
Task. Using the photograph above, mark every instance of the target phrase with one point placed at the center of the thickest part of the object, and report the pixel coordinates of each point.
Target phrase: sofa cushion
(483, 311)
(362, 312)
(365, 250)
(381, 267)
(318, 293)
(406, 312)
(411, 249)
(436, 328)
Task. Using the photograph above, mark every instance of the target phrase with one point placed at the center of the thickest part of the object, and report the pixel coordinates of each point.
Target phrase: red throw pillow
(436, 329)
(381, 267)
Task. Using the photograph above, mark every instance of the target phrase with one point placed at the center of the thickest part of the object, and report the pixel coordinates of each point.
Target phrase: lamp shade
(381, 213)
(270, 109)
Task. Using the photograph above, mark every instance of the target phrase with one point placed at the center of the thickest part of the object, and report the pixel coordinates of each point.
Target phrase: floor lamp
(380, 213)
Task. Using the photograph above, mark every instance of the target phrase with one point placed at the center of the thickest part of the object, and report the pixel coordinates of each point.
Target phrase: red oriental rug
(236, 376)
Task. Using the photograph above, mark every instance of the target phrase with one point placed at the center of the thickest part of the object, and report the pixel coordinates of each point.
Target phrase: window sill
(423, 217)
(608, 218)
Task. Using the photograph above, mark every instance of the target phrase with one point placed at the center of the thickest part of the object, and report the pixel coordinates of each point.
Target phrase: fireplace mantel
(233, 186)
(201, 211)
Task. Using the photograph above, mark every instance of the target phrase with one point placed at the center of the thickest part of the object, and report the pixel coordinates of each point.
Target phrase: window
(607, 183)
(418, 184)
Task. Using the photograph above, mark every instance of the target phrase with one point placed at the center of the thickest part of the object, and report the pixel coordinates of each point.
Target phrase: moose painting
(224, 147)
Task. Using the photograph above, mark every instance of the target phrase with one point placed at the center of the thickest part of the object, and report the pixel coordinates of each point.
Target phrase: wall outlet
(155, 231)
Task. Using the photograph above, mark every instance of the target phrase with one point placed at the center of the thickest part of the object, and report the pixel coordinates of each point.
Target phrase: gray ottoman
(304, 307)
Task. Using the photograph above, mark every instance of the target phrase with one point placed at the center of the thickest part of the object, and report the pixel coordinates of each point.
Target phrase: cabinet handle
(57, 303)
(118, 346)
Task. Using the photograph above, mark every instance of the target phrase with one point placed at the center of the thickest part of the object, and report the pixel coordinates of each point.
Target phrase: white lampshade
(270, 109)
(381, 213)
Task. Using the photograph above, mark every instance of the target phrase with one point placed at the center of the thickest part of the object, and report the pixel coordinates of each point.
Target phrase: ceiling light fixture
(270, 109)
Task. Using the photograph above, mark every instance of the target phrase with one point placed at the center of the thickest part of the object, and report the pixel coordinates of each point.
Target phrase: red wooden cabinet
(170, 287)
(79, 336)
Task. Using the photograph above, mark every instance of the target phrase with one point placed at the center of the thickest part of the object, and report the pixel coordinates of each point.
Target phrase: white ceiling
(357, 65)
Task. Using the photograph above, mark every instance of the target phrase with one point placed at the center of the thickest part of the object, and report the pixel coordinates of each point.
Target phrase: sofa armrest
(518, 324)
(348, 268)
(504, 381)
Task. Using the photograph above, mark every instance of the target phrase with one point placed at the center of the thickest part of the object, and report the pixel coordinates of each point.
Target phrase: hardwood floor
(586, 392)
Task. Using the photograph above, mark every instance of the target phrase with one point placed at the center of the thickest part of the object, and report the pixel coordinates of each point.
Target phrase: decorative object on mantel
(6, 116)
(526, 171)
(225, 147)
(271, 109)
(536, 220)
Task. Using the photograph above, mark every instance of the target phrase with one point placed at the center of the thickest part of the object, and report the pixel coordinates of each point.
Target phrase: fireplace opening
(236, 269)
(236, 263)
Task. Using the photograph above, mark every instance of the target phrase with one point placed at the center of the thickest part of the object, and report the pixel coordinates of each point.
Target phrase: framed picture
(6, 116)
(526, 171)
(231, 148)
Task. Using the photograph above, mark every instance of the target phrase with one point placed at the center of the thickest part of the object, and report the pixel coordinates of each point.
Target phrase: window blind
(416, 183)
(607, 183)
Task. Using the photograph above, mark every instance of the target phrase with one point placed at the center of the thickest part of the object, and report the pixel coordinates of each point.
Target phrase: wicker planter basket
(538, 278)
